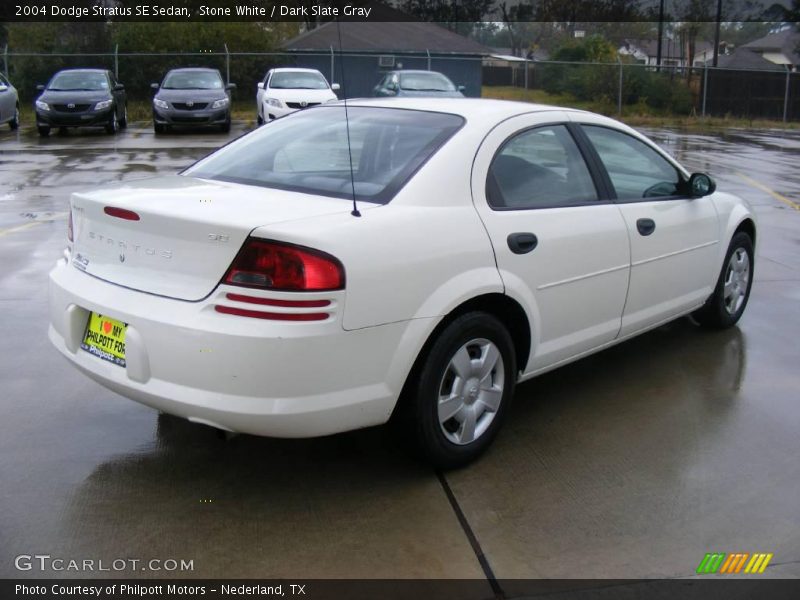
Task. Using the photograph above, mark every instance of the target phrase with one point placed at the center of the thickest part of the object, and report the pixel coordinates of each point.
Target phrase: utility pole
(716, 32)
(660, 34)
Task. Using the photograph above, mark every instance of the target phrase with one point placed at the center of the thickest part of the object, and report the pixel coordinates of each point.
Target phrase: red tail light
(278, 266)
(121, 213)
(69, 227)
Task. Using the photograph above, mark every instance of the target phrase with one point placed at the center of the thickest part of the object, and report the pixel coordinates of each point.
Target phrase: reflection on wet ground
(632, 463)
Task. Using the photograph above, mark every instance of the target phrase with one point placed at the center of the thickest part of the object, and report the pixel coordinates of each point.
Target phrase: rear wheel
(14, 122)
(44, 130)
(726, 305)
(462, 390)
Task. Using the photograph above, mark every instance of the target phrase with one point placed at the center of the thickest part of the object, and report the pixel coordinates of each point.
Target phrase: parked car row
(195, 97)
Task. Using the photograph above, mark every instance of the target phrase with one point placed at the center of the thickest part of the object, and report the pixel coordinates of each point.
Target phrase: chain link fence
(357, 73)
(704, 91)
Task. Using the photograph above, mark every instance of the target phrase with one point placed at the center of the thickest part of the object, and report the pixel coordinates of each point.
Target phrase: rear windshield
(193, 80)
(308, 152)
(73, 81)
(297, 80)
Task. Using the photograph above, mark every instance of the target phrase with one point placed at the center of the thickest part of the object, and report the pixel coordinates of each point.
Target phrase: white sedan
(286, 90)
(490, 241)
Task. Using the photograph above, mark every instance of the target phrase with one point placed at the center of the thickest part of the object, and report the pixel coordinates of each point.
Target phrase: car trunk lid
(176, 236)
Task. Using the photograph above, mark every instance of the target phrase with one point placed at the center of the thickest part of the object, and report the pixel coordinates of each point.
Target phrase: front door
(674, 238)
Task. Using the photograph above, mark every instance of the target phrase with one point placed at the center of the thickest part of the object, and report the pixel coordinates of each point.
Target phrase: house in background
(673, 53)
(370, 49)
(781, 48)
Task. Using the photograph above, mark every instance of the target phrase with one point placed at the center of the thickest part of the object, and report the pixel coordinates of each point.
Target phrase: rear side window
(308, 152)
(636, 170)
(539, 168)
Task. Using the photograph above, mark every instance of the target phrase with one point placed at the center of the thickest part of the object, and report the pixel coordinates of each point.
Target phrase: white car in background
(286, 90)
(492, 241)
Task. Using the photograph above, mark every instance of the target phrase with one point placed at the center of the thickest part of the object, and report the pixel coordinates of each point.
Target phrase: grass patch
(637, 114)
(142, 110)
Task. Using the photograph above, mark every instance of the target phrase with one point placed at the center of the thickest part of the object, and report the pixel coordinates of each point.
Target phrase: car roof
(469, 108)
(416, 72)
(82, 71)
(193, 69)
(294, 70)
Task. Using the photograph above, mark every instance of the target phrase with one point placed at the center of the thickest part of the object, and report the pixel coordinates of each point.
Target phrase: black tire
(159, 128)
(43, 130)
(719, 312)
(14, 122)
(113, 124)
(226, 126)
(260, 120)
(433, 439)
(123, 122)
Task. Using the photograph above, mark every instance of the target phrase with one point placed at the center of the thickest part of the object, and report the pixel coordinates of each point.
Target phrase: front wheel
(113, 125)
(14, 122)
(463, 390)
(123, 122)
(726, 305)
(44, 130)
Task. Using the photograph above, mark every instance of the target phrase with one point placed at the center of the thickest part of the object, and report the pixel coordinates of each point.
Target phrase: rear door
(673, 237)
(561, 245)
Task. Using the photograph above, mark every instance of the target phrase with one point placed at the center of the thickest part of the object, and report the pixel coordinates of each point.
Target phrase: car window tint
(192, 80)
(426, 82)
(635, 169)
(308, 152)
(298, 80)
(539, 168)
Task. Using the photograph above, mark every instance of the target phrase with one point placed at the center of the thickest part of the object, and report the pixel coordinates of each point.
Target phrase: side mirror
(335, 87)
(230, 86)
(119, 88)
(40, 88)
(154, 86)
(260, 85)
(700, 185)
(461, 88)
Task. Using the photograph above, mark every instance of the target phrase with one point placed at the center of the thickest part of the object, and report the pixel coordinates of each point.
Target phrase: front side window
(308, 152)
(539, 168)
(636, 170)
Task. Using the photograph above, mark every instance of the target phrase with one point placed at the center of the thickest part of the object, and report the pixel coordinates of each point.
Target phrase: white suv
(284, 91)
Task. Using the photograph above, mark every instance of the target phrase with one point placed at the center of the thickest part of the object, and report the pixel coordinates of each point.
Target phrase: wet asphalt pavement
(632, 463)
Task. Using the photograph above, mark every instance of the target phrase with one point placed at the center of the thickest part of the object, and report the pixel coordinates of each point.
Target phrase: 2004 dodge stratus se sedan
(496, 241)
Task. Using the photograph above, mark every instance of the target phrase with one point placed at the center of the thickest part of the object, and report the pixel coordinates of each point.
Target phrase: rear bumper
(275, 378)
(191, 118)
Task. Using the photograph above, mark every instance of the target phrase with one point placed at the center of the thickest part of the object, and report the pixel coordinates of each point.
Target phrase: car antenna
(353, 212)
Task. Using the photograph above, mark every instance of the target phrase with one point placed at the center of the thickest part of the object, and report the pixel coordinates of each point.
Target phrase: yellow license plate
(105, 338)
